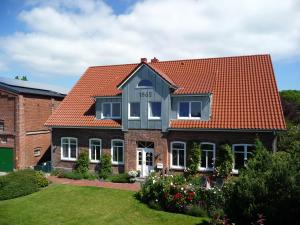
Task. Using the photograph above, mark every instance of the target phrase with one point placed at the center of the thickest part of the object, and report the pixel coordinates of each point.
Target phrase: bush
(268, 186)
(196, 211)
(41, 179)
(224, 161)
(21, 183)
(105, 166)
(120, 178)
(82, 164)
(77, 176)
(175, 194)
(193, 159)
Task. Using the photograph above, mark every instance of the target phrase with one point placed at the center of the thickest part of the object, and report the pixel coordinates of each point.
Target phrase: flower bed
(176, 194)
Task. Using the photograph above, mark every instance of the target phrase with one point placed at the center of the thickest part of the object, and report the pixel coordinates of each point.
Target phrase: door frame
(142, 167)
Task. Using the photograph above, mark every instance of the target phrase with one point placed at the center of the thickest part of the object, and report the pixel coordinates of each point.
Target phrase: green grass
(65, 204)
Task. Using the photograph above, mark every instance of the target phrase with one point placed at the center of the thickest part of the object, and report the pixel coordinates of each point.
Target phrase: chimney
(154, 60)
(143, 60)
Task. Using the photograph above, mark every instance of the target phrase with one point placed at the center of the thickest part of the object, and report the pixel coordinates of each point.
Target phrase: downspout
(274, 143)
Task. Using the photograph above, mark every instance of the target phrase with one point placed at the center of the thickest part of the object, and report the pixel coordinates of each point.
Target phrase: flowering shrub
(176, 194)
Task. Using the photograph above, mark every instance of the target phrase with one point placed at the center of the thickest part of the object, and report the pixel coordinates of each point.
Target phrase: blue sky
(54, 41)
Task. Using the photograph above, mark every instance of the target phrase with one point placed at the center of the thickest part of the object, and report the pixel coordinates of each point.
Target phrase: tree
(290, 100)
(194, 156)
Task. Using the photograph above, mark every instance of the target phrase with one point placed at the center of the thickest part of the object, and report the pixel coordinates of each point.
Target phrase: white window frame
(171, 155)
(201, 168)
(90, 149)
(111, 110)
(190, 111)
(69, 158)
(149, 111)
(245, 152)
(2, 126)
(133, 117)
(112, 152)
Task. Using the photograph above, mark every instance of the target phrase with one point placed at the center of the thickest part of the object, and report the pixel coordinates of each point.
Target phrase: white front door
(145, 161)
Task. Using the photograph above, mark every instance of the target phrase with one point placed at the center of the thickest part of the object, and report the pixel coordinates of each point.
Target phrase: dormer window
(189, 110)
(111, 110)
(145, 84)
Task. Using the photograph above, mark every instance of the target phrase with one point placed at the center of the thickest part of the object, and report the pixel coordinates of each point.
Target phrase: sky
(53, 42)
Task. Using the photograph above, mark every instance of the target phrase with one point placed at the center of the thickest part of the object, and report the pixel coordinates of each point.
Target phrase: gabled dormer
(146, 98)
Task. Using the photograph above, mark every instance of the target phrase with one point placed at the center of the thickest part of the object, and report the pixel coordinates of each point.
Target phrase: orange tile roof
(245, 94)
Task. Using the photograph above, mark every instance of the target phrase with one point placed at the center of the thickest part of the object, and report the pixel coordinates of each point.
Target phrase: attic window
(145, 84)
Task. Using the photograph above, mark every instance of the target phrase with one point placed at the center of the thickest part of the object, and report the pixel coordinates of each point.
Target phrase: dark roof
(27, 87)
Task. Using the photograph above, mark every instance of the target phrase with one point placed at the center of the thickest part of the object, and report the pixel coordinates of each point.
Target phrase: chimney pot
(154, 60)
(143, 60)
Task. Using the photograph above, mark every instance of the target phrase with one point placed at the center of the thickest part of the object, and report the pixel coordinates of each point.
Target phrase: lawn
(65, 204)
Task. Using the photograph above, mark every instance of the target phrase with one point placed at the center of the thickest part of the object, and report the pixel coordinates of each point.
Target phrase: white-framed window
(178, 154)
(134, 110)
(189, 110)
(145, 84)
(111, 110)
(154, 110)
(242, 152)
(117, 151)
(37, 152)
(208, 155)
(1, 125)
(3, 139)
(69, 148)
(95, 149)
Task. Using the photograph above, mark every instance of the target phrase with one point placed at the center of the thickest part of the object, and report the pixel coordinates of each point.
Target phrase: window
(242, 152)
(111, 110)
(95, 149)
(145, 84)
(69, 148)
(154, 110)
(208, 156)
(1, 125)
(134, 110)
(189, 110)
(178, 155)
(37, 152)
(3, 139)
(117, 151)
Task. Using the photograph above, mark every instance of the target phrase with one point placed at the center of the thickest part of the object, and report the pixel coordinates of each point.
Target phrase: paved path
(96, 183)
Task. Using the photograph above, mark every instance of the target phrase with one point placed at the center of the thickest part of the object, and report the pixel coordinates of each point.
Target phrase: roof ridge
(179, 60)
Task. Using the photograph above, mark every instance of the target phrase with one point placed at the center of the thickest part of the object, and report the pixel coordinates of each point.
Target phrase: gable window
(154, 110)
(208, 151)
(117, 151)
(145, 84)
(189, 110)
(95, 149)
(134, 110)
(69, 148)
(111, 110)
(242, 152)
(178, 149)
(1, 125)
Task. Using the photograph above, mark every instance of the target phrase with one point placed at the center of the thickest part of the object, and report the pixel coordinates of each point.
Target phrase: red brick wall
(83, 136)
(161, 142)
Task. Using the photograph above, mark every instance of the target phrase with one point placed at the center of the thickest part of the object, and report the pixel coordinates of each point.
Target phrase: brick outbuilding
(24, 108)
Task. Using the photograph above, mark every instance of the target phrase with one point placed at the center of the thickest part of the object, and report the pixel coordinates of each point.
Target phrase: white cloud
(65, 37)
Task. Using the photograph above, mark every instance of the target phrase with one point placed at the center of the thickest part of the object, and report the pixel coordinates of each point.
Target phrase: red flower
(177, 195)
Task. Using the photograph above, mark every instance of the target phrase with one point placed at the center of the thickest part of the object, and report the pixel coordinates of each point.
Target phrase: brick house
(144, 114)
(24, 108)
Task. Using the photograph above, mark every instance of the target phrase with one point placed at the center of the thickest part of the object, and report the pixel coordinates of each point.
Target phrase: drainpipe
(274, 143)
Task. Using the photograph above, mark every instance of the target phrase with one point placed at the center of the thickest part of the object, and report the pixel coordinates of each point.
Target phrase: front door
(145, 161)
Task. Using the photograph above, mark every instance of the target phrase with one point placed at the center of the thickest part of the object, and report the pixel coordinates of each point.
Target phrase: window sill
(177, 167)
(134, 118)
(235, 171)
(206, 169)
(117, 163)
(189, 118)
(94, 161)
(68, 159)
(154, 118)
